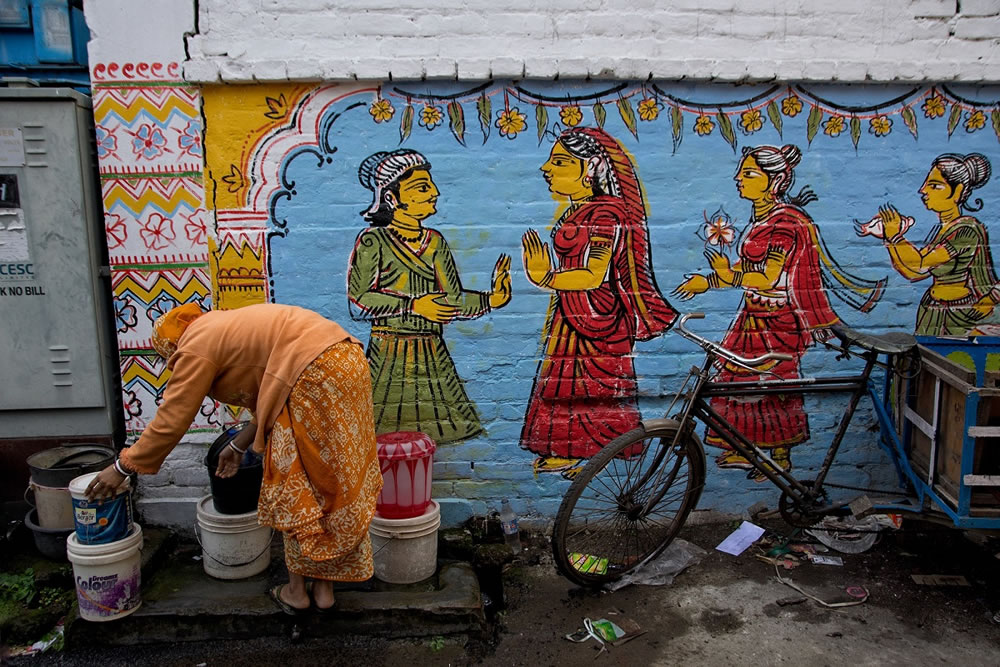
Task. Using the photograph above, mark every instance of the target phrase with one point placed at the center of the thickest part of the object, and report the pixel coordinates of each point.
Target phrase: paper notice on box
(740, 539)
(11, 147)
(13, 236)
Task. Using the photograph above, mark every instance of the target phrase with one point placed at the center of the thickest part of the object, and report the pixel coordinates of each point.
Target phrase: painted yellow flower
(833, 126)
(704, 125)
(751, 121)
(791, 106)
(649, 109)
(934, 107)
(430, 117)
(880, 126)
(571, 116)
(510, 122)
(381, 111)
(976, 120)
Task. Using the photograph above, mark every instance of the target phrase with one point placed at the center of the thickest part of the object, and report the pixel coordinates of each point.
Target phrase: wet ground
(722, 611)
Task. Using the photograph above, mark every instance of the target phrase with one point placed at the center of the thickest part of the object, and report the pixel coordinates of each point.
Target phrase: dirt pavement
(721, 611)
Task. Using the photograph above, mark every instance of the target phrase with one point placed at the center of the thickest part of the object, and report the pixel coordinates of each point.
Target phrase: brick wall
(728, 40)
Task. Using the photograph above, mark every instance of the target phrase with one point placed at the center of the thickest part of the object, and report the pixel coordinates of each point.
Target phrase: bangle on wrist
(737, 280)
(713, 281)
(235, 448)
(547, 279)
(120, 468)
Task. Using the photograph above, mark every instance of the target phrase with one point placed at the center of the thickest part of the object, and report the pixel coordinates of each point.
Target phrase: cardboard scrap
(940, 579)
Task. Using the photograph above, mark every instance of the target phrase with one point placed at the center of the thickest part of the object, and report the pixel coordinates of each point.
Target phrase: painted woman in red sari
(782, 268)
(604, 298)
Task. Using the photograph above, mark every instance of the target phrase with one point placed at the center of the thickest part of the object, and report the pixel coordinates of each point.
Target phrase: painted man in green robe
(403, 279)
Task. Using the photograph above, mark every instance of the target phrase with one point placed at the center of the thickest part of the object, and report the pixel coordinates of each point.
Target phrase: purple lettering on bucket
(108, 595)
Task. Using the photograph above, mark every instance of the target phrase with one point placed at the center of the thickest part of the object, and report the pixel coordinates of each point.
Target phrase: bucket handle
(30, 490)
(197, 535)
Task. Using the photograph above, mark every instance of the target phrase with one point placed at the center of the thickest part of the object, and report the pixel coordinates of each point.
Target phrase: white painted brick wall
(732, 40)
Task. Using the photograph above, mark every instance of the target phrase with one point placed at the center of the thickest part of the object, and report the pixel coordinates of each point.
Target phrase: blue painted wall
(492, 191)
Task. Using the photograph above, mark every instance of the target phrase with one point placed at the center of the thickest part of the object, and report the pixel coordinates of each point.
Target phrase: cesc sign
(17, 270)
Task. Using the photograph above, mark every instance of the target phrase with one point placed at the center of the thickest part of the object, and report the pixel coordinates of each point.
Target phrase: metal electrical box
(57, 370)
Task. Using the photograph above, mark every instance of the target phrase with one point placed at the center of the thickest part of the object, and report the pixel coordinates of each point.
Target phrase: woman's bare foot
(294, 593)
(322, 592)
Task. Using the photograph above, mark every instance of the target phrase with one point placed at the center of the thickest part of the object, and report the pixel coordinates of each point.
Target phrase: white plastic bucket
(54, 505)
(233, 546)
(107, 576)
(406, 549)
(101, 521)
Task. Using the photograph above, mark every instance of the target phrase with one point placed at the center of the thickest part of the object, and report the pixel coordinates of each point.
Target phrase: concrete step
(182, 603)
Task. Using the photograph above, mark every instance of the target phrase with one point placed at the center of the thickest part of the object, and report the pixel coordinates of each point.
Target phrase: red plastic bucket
(407, 462)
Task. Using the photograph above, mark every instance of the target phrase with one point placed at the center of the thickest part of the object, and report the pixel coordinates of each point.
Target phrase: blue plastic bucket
(100, 521)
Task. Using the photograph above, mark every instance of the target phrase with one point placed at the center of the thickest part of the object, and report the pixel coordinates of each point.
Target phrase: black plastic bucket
(50, 543)
(58, 466)
(239, 493)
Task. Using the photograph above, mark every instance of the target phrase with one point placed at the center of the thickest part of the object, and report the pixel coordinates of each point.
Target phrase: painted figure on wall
(781, 267)
(956, 254)
(604, 298)
(404, 280)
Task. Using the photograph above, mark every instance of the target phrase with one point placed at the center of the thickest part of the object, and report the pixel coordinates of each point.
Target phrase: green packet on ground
(588, 564)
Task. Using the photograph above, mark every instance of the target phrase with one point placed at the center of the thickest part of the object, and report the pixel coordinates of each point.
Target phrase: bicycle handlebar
(715, 348)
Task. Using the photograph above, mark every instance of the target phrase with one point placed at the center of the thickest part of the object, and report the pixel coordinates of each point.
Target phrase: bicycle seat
(894, 342)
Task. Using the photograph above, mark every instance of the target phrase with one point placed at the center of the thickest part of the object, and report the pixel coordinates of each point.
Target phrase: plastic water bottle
(508, 522)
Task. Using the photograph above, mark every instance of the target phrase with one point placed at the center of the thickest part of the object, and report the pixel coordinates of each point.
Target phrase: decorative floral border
(646, 103)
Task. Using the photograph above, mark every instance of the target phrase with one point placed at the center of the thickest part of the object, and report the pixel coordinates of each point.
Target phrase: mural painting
(533, 370)
(956, 254)
(404, 280)
(782, 269)
(604, 298)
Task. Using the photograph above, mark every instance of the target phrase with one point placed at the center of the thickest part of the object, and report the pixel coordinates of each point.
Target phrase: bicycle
(630, 500)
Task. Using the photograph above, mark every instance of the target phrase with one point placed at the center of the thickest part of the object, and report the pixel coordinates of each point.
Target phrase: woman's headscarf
(169, 327)
(650, 313)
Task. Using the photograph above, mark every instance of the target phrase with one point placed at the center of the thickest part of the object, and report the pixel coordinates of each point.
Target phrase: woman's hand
(892, 222)
(429, 308)
(501, 293)
(720, 265)
(983, 308)
(695, 284)
(537, 260)
(104, 484)
(229, 463)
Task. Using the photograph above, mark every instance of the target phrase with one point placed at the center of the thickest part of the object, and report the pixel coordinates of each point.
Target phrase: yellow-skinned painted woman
(604, 298)
(956, 254)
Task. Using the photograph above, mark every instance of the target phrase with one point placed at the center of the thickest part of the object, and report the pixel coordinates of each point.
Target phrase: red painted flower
(158, 232)
(114, 228)
(195, 228)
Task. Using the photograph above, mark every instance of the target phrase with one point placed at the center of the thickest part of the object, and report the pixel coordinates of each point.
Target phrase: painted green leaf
(996, 123)
(628, 116)
(775, 116)
(541, 120)
(855, 131)
(956, 115)
(726, 128)
(910, 120)
(677, 123)
(456, 118)
(599, 115)
(812, 123)
(485, 108)
(406, 123)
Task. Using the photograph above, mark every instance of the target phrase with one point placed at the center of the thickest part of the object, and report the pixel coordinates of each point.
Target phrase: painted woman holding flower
(955, 255)
(781, 267)
(604, 298)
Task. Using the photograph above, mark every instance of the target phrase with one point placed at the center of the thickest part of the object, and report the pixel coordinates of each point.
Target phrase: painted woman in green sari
(403, 279)
(956, 254)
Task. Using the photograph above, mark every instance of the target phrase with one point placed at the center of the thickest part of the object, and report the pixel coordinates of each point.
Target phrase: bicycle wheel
(602, 529)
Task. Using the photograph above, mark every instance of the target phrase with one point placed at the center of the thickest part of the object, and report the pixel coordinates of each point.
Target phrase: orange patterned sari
(321, 471)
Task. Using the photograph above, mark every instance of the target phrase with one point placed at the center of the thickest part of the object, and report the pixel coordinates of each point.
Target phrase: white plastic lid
(78, 485)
